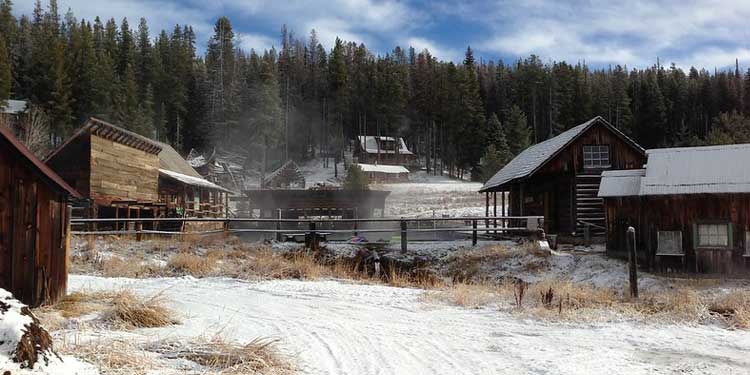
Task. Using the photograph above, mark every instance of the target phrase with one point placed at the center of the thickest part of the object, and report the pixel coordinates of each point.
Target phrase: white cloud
(633, 32)
(436, 50)
(258, 42)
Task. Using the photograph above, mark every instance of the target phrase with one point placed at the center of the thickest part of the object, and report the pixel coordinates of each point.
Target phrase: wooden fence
(488, 227)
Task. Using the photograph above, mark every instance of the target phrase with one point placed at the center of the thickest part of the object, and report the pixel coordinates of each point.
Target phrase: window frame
(697, 237)
(660, 251)
(598, 157)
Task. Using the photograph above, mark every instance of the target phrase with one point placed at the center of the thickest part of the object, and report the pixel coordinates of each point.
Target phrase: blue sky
(687, 32)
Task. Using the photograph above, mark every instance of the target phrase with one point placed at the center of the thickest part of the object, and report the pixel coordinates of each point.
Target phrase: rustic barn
(287, 176)
(384, 173)
(384, 150)
(690, 208)
(123, 174)
(34, 225)
(559, 178)
(294, 204)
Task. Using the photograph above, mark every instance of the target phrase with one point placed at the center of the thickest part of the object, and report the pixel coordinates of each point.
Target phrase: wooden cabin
(335, 203)
(34, 225)
(384, 150)
(559, 178)
(384, 173)
(690, 208)
(288, 176)
(123, 174)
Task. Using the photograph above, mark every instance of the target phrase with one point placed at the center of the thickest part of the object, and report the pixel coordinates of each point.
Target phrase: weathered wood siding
(621, 154)
(679, 213)
(121, 172)
(33, 234)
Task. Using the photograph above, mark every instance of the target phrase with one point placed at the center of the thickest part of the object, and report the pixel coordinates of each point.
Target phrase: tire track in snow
(339, 328)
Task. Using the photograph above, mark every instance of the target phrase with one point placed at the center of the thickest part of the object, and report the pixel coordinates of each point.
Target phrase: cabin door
(550, 212)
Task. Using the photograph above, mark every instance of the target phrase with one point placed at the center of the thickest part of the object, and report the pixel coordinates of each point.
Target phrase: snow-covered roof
(14, 107)
(534, 157)
(697, 170)
(369, 144)
(389, 169)
(621, 183)
(190, 180)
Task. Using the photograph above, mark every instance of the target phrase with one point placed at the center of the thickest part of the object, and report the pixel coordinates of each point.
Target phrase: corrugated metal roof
(37, 164)
(190, 180)
(621, 183)
(697, 170)
(534, 157)
(390, 169)
(14, 107)
(369, 144)
(170, 159)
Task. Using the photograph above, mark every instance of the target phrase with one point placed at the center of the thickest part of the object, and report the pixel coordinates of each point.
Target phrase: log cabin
(690, 208)
(559, 178)
(287, 176)
(123, 174)
(384, 150)
(34, 225)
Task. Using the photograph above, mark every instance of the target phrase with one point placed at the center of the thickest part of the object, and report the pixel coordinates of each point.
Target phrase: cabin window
(596, 156)
(714, 234)
(669, 242)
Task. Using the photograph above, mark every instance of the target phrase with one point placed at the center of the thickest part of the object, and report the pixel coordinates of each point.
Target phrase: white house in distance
(385, 173)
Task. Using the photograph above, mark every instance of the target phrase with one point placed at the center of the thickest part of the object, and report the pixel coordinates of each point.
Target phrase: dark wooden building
(378, 173)
(287, 176)
(123, 174)
(559, 178)
(384, 150)
(690, 208)
(34, 225)
(335, 203)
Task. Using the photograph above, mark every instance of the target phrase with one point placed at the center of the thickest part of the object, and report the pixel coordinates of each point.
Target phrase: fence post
(138, 231)
(313, 237)
(632, 262)
(587, 233)
(278, 227)
(404, 239)
(355, 229)
(474, 232)
(226, 228)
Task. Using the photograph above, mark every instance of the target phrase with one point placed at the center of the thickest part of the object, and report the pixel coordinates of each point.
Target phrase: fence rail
(472, 225)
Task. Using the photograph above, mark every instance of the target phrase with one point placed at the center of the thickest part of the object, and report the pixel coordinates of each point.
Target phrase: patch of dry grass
(132, 311)
(112, 356)
(185, 263)
(259, 356)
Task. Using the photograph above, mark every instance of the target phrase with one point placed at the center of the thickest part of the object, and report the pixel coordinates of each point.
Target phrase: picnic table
(304, 236)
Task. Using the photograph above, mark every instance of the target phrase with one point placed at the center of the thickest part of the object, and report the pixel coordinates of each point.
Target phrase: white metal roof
(369, 144)
(534, 157)
(14, 107)
(190, 180)
(697, 170)
(390, 169)
(621, 183)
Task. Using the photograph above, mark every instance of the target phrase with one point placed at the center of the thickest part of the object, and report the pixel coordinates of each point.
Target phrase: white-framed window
(596, 156)
(714, 234)
(669, 242)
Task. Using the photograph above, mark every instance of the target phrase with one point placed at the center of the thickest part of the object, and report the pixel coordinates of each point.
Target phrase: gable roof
(382, 168)
(191, 180)
(54, 180)
(171, 160)
(369, 144)
(697, 170)
(113, 133)
(533, 158)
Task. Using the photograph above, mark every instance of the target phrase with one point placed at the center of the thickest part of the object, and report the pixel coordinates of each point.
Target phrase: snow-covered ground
(334, 327)
(426, 195)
